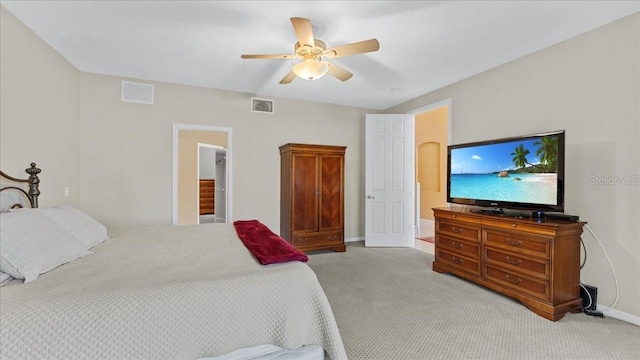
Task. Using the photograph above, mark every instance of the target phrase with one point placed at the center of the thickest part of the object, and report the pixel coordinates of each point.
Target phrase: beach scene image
(519, 171)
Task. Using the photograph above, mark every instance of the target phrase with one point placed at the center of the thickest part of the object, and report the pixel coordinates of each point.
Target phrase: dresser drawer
(516, 242)
(313, 239)
(514, 281)
(516, 262)
(463, 231)
(459, 246)
(207, 191)
(533, 228)
(463, 263)
(457, 216)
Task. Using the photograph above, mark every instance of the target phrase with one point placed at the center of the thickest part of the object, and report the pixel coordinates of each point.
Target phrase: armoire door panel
(331, 199)
(305, 195)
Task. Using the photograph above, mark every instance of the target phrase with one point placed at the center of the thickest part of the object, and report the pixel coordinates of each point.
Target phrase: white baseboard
(354, 239)
(620, 315)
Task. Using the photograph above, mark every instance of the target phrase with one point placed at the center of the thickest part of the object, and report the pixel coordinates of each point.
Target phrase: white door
(220, 204)
(389, 180)
(206, 169)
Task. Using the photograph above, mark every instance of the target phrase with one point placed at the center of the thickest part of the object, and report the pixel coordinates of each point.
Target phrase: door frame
(176, 129)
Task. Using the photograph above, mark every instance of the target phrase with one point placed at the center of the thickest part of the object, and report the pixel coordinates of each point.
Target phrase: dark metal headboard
(33, 182)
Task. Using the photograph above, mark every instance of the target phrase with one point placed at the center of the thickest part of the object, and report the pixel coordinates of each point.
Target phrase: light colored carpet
(390, 304)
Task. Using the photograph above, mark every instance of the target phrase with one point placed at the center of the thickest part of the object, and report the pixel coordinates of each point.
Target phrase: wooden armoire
(312, 196)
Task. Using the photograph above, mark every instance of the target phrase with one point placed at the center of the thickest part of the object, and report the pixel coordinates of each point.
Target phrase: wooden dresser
(537, 263)
(207, 196)
(312, 196)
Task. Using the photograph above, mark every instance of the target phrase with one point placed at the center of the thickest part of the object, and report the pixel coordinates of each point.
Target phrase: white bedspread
(182, 292)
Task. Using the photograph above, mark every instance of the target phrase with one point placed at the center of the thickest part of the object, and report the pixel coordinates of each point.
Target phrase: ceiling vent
(137, 92)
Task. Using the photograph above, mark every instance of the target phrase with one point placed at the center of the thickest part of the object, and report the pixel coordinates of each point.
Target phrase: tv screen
(524, 172)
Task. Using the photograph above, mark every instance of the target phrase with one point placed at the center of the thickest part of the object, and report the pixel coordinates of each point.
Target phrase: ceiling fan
(311, 51)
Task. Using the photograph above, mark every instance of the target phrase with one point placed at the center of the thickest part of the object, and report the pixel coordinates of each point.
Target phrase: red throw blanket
(266, 246)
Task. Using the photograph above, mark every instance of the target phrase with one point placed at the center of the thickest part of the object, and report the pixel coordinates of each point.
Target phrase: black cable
(584, 249)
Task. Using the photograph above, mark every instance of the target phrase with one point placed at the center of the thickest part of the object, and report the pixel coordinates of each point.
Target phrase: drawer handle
(514, 281)
(302, 239)
(333, 237)
(456, 230)
(457, 245)
(517, 243)
(517, 262)
(457, 260)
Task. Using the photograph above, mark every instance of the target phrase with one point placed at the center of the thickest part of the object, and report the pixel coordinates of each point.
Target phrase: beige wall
(188, 177)
(589, 86)
(127, 149)
(431, 133)
(38, 112)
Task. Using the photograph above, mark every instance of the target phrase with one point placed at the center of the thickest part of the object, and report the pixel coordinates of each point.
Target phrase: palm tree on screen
(548, 152)
(520, 156)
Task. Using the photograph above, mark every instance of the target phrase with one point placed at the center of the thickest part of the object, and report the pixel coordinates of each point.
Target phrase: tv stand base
(536, 263)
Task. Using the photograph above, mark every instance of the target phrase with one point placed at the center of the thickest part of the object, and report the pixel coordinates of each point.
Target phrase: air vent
(262, 105)
(137, 92)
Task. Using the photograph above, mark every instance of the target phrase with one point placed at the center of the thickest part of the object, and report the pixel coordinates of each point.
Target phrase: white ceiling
(424, 45)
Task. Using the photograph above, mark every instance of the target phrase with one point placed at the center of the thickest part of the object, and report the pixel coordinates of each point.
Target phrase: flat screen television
(520, 173)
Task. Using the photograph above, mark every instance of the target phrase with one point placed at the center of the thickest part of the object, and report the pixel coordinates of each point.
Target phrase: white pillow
(32, 244)
(85, 228)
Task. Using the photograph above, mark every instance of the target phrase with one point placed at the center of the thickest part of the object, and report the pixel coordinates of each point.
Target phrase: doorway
(185, 170)
(211, 196)
(432, 136)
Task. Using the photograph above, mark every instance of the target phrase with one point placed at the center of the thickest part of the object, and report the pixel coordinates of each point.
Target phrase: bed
(161, 292)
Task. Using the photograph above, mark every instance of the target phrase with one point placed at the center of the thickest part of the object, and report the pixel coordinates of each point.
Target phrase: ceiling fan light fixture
(311, 69)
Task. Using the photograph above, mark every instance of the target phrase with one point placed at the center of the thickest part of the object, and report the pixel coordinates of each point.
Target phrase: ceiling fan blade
(338, 72)
(353, 49)
(288, 78)
(303, 30)
(274, 56)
